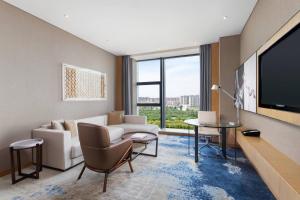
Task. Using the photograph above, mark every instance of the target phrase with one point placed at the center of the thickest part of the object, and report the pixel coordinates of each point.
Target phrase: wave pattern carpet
(172, 175)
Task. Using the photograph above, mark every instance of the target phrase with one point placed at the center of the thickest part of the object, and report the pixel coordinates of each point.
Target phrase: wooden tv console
(280, 173)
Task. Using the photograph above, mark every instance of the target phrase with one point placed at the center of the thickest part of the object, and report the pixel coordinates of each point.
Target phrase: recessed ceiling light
(66, 16)
(225, 17)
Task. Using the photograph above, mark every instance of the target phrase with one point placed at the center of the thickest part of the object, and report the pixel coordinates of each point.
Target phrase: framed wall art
(82, 84)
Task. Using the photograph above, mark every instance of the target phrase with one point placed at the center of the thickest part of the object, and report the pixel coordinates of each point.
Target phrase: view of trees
(174, 116)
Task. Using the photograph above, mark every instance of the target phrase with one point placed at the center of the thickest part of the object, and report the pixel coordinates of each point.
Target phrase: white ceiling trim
(167, 53)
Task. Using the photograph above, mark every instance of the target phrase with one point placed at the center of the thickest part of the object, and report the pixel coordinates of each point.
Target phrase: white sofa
(61, 151)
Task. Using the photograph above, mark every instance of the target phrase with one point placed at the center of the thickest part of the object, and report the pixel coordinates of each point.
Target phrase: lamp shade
(215, 87)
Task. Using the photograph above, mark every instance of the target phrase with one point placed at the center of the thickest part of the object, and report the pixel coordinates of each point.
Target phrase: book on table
(139, 136)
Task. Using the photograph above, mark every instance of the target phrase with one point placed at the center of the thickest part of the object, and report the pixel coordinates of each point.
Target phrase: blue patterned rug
(172, 175)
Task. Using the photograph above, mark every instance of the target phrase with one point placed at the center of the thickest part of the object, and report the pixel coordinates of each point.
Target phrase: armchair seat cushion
(137, 127)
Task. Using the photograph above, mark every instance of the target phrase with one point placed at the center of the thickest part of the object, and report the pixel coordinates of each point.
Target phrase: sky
(182, 77)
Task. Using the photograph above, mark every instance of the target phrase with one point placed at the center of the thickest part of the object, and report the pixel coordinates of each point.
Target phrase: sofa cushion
(75, 148)
(115, 133)
(115, 117)
(137, 127)
(57, 125)
(98, 120)
(71, 125)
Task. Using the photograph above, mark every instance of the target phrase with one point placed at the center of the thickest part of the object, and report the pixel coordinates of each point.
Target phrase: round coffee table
(142, 137)
(21, 145)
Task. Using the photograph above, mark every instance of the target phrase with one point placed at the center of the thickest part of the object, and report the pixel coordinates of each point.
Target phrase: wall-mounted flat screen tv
(279, 73)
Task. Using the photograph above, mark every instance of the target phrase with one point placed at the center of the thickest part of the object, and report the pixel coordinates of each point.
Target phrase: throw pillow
(71, 125)
(57, 125)
(115, 117)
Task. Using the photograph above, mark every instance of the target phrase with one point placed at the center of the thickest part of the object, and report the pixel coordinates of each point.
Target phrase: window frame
(161, 83)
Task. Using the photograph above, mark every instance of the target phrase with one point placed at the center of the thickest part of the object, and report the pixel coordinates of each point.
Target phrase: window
(148, 94)
(149, 89)
(153, 114)
(182, 88)
(148, 71)
(168, 90)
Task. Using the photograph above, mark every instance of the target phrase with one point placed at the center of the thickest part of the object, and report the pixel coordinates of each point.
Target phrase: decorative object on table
(223, 126)
(81, 84)
(208, 133)
(100, 155)
(144, 137)
(237, 100)
(245, 84)
(36, 144)
(251, 132)
(139, 136)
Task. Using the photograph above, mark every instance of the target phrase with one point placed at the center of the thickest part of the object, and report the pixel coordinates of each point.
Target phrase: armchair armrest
(135, 119)
(56, 147)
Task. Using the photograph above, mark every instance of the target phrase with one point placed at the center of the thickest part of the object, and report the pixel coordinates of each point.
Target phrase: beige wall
(229, 61)
(31, 53)
(266, 19)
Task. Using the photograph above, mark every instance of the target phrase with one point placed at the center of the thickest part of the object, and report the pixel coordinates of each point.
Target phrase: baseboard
(63, 170)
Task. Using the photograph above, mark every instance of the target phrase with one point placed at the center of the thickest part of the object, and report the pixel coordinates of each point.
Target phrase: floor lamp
(236, 100)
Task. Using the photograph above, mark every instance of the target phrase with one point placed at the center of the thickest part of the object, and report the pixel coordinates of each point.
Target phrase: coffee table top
(149, 136)
(24, 144)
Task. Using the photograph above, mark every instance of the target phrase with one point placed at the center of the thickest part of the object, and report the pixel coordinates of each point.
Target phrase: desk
(222, 126)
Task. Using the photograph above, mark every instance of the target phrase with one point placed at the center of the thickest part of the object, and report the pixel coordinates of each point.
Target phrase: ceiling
(128, 27)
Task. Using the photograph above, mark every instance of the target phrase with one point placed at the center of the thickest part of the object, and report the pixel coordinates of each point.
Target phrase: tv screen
(279, 73)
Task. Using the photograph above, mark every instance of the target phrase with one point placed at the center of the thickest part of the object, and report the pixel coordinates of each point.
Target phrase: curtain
(205, 77)
(127, 84)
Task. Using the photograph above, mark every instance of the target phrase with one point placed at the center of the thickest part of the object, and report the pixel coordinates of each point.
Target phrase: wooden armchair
(99, 154)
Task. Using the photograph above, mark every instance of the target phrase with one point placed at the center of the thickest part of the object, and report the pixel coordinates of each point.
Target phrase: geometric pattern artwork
(81, 84)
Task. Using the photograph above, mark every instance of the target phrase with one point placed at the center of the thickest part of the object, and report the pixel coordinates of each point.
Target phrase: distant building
(194, 101)
(172, 101)
(185, 102)
(190, 100)
(148, 100)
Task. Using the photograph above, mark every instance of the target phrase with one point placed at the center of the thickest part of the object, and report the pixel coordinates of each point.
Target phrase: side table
(32, 144)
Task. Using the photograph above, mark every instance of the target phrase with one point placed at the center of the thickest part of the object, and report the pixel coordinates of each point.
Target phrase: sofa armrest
(135, 119)
(56, 148)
